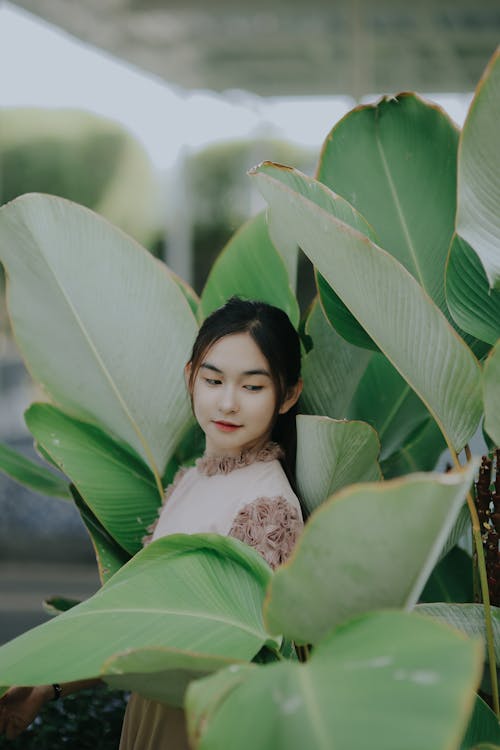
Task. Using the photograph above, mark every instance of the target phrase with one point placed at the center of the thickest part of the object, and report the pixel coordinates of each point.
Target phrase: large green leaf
(108, 554)
(32, 475)
(107, 330)
(386, 401)
(474, 306)
(388, 302)
(385, 681)
(161, 674)
(204, 697)
(332, 454)
(478, 217)
(469, 618)
(491, 384)
(251, 267)
(451, 579)
(420, 452)
(331, 370)
(369, 546)
(340, 317)
(285, 240)
(184, 601)
(395, 162)
(483, 727)
(114, 482)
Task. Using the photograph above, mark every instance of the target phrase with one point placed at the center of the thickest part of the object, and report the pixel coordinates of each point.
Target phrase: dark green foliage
(89, 720)
(451, 579)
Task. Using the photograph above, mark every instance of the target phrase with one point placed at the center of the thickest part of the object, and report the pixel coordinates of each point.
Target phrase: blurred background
(151, 112)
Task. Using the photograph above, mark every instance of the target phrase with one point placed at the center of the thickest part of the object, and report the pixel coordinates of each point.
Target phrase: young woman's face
(234, 397)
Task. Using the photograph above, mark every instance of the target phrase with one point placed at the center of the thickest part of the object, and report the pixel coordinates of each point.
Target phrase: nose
(228, 402)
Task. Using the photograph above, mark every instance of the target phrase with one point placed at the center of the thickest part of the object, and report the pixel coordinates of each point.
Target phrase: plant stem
(481, 564)
(302, 652)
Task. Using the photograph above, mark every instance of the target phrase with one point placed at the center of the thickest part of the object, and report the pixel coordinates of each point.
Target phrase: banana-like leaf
(108, 554)
(331, 370)
(393, 308)
(371, 545)
(204, 697)
(32, 475)
(332, 454)
(251, 267)
(161, 674)
(386, 401)
(340, 316)
(478, 217)
(411, 682)
(284, 239)
(106, 330)
(491, 385)
(420, 452)
(474, 306)
(469, 618)
(483, 728)
(395, 162)
(451, 579)
(114, 482)
(183, 602)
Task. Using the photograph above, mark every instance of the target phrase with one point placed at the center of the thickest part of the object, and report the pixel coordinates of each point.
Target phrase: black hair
(277, 339)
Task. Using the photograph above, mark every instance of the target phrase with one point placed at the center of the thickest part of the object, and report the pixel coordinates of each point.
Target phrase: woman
(243, 378)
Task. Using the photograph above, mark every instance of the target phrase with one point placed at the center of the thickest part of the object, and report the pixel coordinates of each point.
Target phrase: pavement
(24, 585)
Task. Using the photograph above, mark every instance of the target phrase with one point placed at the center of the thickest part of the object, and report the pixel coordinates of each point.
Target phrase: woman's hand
(19, 706)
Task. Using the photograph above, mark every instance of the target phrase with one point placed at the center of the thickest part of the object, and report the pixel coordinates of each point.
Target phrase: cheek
(267, 411)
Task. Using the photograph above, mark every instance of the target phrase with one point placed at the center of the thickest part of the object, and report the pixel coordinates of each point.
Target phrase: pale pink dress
(249, 498)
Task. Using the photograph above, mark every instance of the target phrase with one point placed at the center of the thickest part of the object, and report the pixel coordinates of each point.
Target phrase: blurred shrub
(221, 195)
(83, 157)
(89, 720)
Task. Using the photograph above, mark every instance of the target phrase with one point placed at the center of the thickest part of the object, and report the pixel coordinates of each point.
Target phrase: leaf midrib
(418, 271)
(93, 349)
(169, 612)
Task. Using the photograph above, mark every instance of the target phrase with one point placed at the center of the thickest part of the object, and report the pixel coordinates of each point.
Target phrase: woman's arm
(20, 705)
(271, 525)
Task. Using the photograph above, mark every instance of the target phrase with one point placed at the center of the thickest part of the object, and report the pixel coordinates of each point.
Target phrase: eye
(253, 387)
(212, 381)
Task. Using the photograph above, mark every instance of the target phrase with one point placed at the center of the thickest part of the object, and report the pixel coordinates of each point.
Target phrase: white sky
(49, 68)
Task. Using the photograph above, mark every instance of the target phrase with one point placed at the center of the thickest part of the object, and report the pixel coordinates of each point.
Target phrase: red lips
(226, 426)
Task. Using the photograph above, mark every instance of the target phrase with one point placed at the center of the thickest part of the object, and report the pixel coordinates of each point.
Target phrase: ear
(292, 396)
(187, 373)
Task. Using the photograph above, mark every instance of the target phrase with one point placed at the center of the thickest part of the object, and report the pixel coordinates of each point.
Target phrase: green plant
(84, 158)
(380, 340)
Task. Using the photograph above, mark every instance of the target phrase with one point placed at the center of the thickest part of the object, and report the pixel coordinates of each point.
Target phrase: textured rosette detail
(270, 525)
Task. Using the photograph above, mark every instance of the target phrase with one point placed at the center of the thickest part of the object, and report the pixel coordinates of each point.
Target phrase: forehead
(237, 351)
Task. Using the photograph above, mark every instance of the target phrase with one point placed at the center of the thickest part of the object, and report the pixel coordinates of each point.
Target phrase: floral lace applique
(271, 525)
(211, 465)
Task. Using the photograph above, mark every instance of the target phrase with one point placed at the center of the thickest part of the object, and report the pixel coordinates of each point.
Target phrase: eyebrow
(213, 368)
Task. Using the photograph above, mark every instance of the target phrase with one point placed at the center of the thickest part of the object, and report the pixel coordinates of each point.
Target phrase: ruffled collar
(211, 465)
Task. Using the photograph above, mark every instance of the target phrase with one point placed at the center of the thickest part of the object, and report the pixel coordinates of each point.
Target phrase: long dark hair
(278, 341)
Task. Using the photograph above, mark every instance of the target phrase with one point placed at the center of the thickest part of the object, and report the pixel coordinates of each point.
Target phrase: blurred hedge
(83, 157)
